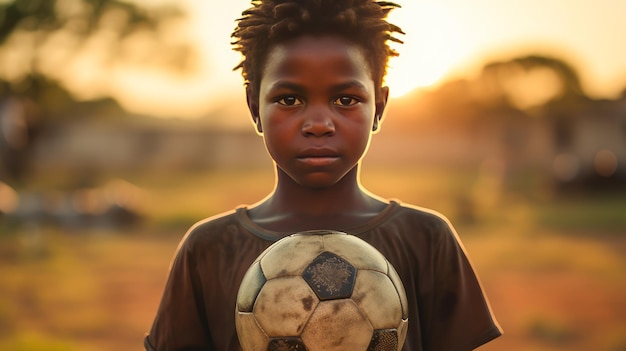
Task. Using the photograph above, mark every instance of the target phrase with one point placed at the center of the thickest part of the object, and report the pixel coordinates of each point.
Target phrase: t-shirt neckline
(266, 234)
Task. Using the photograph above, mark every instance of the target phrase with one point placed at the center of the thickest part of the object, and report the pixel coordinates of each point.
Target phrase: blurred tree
(531, 81)
(45, 36)
(47, 45)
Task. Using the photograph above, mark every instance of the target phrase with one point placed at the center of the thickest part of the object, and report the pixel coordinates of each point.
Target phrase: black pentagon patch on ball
(330, 276)
(286, 344)
(384, 339)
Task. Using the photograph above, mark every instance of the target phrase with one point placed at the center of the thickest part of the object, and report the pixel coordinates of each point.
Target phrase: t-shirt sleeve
(180, 324)
(461, 317)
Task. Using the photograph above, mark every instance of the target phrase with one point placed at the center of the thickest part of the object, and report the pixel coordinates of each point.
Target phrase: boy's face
(317, 108)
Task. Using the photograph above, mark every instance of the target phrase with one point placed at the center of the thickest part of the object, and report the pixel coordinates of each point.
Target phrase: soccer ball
(321, 291)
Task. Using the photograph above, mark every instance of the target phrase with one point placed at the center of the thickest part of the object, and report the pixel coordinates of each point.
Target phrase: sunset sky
(445, 38)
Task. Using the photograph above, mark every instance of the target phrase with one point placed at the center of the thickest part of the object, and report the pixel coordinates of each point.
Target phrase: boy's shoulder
(419, 215)
(211, 229)
(411, 222)
(220, 220)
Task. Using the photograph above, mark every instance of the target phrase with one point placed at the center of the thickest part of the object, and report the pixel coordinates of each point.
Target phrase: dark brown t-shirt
(447, 307)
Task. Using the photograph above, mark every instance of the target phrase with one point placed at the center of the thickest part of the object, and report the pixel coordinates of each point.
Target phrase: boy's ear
(381, 103)
(253, 106)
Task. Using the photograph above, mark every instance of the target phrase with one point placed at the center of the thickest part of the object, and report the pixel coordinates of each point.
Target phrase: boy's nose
(318, 126)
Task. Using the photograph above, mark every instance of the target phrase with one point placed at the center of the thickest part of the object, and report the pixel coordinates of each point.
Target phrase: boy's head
(271, 22)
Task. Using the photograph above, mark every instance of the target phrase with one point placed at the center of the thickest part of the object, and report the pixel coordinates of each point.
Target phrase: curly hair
(270, 22)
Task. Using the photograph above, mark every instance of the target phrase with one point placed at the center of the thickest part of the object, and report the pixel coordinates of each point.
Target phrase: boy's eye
(289, 101)
(345, 101)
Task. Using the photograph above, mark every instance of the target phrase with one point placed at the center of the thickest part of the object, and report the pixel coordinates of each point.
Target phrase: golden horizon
(445, 39)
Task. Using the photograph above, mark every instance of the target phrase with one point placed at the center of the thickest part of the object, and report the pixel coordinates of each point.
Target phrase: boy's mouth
(318, 156)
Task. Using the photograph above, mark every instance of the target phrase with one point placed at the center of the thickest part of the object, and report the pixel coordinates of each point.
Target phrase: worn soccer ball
(321, 291)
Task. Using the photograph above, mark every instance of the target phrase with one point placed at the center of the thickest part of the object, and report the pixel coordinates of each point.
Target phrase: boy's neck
(292, 207)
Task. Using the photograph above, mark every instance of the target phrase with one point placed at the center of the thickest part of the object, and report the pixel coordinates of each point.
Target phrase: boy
(313, 72)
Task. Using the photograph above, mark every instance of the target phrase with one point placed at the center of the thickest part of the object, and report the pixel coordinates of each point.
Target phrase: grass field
(555, 271)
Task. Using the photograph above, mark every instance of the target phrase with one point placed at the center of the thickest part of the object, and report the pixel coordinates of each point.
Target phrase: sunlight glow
(432, 47)
(522, 87)
(445, 39)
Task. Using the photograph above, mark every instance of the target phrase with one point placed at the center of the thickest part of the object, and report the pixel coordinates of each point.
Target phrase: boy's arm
(180, 323)
(462, 319)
